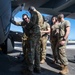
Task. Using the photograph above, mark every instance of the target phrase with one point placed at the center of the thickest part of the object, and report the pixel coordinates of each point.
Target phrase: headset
(24, 15)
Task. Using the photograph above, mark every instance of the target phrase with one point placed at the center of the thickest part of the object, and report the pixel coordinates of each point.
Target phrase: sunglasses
(25, 18)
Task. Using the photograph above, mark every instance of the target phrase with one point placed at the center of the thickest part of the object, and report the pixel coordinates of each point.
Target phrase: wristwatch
(64, 39)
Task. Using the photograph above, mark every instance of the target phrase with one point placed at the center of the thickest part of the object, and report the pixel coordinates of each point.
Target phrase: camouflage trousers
(54, 49)
(62, 54)
(25, 47)
(43, 43)
(33, 53)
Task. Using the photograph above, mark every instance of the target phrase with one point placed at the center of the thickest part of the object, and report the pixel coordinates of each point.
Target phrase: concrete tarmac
(11, 64)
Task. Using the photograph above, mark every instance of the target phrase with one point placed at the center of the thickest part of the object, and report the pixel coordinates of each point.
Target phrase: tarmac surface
(11, 64)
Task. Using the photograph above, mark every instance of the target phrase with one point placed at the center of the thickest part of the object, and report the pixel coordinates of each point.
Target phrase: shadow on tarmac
(10, 65)
(50, 62)
(7, 64)
(71, 60)
(47, 72)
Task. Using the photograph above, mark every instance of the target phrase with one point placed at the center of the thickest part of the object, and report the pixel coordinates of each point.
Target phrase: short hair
(61, 16)
(53, 17)
(31, 8)
(24, 15)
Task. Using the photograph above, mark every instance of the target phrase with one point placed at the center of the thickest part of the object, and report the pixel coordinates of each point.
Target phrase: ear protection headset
(24, 15)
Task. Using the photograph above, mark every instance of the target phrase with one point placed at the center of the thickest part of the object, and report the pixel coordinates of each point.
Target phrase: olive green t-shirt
(55, 30)
(62, 28)
(44, 27)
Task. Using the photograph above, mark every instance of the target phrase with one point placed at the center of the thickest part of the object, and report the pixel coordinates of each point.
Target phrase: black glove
(12, 21)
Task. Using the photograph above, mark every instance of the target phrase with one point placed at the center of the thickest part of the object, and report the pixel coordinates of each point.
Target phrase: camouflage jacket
(30, 28)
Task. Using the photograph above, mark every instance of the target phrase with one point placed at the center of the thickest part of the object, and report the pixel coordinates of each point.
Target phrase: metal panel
(69, 9)
(1, 32)
(5, 14)
(54, 3)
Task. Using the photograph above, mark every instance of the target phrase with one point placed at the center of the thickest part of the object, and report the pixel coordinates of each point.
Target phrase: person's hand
(62, 42)
(11, 19)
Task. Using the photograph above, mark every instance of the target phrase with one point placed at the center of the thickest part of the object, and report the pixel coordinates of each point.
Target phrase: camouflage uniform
(24, 37)
(40, 18)
(54, 40)
(61, 48)
(43, 40)
(32, 31)
(34, 52)
(24, 43)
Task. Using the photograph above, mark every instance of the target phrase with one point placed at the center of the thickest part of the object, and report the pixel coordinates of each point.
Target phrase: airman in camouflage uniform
(40, 17)
(54, 38)
(64, 30)
(36, 20)
(25, 34)
(45, 30)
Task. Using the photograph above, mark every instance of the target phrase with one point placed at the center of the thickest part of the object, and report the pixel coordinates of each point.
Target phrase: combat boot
(37, 70)
(26, 72)
(42, 61)
(65, 70)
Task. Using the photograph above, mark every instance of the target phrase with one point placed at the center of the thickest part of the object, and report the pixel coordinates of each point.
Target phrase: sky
(18, 17)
